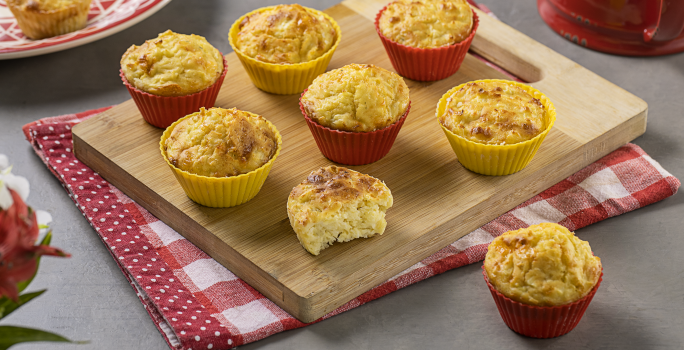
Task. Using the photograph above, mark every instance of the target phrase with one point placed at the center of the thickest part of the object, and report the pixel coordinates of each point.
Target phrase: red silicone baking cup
(162, 111)
(354, 148)
(426, 64)
(540, 321)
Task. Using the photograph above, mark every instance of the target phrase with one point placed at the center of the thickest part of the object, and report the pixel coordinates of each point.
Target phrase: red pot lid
(585, 29)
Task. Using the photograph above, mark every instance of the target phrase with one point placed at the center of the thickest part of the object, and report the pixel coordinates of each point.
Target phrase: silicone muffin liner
(221, 192)
(497, 159)
(283, 79)
(354, 148)
(45, 24)
(426, 64)
(162, 111)
(540, 321)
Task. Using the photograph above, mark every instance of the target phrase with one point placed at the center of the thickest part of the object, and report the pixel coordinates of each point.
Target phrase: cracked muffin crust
(542, 265)
(427, 23)
(219, 142)
(356, 98)
(285, 34)
(335, 204)
(172, 64)
(494, 113)
(39, 19)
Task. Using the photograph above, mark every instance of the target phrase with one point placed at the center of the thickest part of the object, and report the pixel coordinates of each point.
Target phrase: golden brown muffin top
(357, 98)
(542, 265)
(44, 5)
(494, 113)
(172, 64)
(427, 23)
(328, 189)
(219, 142)
(335, 204)
(285, 34)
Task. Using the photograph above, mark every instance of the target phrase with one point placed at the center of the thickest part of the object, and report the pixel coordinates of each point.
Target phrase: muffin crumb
(335, 204)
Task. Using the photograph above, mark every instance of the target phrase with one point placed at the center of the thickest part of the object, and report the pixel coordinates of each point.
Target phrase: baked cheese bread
(542, 265)
(285, 34)
(494, 113)
(335, 204)
(39, 19)
(219, 142)
(172, 65)
(427, 23)
(356, 98)
(44, 5)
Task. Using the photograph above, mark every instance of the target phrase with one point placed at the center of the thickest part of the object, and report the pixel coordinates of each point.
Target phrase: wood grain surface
(436, 200)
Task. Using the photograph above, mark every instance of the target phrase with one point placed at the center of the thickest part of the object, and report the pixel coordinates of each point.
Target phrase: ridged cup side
(354, 148)
(283, 79)
(162, 111)
(540, 321)
(428, 64)
(497, 159)
(45, 24)
(221, 192)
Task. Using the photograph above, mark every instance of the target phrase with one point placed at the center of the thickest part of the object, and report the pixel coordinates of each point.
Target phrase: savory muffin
(219, 142)
(542, 265)
(335, 204)
(43, 5)
(356, 98)
(172, 64)
(427, 23)
(493, 113)
(285, 34)
(39, 19)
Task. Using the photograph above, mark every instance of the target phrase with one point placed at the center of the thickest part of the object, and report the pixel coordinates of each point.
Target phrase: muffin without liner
(335, 204)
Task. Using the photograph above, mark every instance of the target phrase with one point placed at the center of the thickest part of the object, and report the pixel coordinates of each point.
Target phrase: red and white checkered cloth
(197, 303)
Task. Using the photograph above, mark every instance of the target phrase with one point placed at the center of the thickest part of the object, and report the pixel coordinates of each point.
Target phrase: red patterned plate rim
(106, 17)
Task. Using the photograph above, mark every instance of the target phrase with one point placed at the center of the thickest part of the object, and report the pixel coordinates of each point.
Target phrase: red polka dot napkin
(198, 304)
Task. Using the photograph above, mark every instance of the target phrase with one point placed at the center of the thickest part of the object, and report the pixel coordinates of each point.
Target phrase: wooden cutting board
(436, 200)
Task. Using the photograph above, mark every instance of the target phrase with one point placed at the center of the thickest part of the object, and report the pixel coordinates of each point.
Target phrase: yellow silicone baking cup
(497, 159)
(283, 79)
(45, 24)
(221, 192)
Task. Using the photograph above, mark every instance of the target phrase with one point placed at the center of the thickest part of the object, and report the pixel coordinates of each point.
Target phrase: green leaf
(10, 335)
(7, 305)
(46, 241)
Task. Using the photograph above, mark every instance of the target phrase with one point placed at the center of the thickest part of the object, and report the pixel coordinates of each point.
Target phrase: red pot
(623, 27)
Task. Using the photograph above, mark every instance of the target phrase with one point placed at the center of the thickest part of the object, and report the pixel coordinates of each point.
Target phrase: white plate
(105, 18)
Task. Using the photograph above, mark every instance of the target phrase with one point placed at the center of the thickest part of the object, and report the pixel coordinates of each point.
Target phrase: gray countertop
(640, 304)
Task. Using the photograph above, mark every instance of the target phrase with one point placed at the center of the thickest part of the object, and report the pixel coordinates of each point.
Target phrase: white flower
(5, 198)
(43, 218)
(10, 181)
(4, 162)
